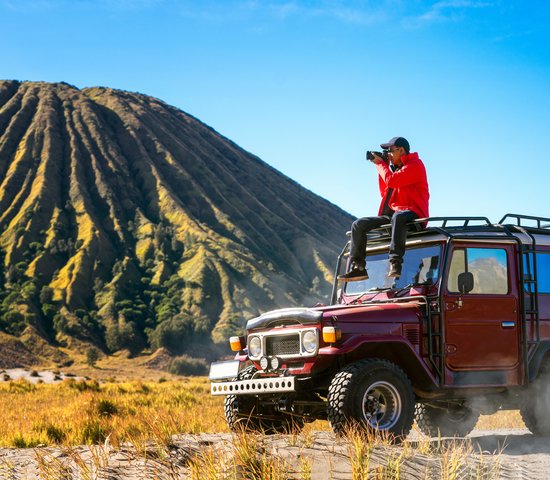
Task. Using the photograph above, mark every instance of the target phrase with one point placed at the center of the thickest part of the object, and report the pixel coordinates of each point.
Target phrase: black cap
(397, 142)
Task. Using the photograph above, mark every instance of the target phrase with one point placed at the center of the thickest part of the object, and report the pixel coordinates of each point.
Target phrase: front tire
(374, 393)
(452, 421)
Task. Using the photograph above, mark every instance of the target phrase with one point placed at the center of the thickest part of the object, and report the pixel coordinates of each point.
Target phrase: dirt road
(525, 455)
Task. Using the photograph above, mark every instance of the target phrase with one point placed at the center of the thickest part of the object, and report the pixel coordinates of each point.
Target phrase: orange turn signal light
(237, 343)
(331, 334)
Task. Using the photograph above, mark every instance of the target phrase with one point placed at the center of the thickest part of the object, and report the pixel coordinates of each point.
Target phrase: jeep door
(481, 315)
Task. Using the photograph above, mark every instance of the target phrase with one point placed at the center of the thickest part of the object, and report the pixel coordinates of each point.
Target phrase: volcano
(128, 223)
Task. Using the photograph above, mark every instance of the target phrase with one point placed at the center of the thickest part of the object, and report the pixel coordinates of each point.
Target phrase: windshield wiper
(375, 290)
(410, 285)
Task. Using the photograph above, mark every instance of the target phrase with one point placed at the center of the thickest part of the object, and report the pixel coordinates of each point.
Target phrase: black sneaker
(354, 275)
(395, 270)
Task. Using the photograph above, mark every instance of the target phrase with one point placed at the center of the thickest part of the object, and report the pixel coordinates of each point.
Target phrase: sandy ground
(513, 454)
(34, 376)
(522, 456)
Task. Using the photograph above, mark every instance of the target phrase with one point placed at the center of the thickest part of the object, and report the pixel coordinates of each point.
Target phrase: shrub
(173, 333)
(14, 321)
(92, 356)
(55, 434)
(29, 290)
(20, 441)
(46, 294)
(61, 324)
(49, 310)
(82, 385)
(186, 365)
(125, 335)
(21, 386)
(106, 408)
(93, 432)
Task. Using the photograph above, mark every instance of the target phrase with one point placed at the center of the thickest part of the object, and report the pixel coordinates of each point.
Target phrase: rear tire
(535, 410)
(447, 422)
(374, 393)
(241, 413)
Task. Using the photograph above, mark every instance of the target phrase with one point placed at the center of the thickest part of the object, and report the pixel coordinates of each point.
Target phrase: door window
(488, 266)
(543, 271)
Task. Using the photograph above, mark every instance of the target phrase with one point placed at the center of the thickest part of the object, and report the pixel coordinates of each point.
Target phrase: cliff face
(128, 222)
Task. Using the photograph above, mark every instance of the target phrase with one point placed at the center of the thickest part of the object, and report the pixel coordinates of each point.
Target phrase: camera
(383, 155)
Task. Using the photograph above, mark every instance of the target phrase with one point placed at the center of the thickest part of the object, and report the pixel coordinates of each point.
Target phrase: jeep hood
(388, 312)
(286, 316)
(376, 312)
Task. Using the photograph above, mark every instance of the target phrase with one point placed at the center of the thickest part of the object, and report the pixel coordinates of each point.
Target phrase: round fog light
(264, 363)
(275, 363)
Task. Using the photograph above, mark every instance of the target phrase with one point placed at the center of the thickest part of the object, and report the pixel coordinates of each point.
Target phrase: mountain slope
(126, 222)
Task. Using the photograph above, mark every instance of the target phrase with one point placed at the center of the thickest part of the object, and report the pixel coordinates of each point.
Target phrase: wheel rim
(381, 405)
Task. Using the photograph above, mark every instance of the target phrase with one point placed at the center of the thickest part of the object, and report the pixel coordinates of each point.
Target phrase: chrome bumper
(254, 387)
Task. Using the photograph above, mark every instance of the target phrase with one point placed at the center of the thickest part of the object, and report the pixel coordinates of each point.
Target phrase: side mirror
(465, 282)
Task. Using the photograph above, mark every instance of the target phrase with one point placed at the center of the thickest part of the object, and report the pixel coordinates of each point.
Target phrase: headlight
(254, 346)
(309, 341)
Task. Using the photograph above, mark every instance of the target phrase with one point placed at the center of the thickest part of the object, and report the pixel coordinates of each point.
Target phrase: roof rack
(461, 222)
(538, 221)
(456, 226)
(446, 225)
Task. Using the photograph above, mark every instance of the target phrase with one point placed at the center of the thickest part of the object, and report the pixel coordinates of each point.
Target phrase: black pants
(362, 226)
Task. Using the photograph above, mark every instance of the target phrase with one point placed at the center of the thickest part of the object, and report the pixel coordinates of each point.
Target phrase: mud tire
(373, 393)
(241, 413)
(445, 422)
(535, 409)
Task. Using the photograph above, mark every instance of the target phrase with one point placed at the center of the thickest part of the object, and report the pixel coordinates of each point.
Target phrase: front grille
(283, 345)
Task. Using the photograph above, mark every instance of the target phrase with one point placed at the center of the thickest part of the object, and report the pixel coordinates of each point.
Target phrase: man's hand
(377, 159)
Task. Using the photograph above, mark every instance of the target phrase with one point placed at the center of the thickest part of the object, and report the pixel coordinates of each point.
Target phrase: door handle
(508, 324)
(457, 304)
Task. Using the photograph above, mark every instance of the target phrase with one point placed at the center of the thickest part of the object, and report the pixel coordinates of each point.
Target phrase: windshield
(420, 266)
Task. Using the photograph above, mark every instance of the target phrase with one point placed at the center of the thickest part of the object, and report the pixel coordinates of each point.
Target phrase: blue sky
(308, 86)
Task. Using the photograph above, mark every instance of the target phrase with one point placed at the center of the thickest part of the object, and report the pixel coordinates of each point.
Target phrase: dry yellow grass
(88, 412)
(74, 413)
(501, 420)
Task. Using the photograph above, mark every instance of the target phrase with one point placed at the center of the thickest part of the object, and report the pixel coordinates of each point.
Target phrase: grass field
(84, 412)
(143, 413)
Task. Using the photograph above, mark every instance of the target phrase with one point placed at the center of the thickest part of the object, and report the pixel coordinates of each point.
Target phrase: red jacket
(410, 185)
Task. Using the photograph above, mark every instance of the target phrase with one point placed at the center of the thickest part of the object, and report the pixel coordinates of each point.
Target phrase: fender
(543, 348)
(394, 349)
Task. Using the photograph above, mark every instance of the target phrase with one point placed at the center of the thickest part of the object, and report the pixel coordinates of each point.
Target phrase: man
(405, 196)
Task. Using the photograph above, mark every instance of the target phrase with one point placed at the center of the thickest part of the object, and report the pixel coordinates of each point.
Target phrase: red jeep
(464, 331)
